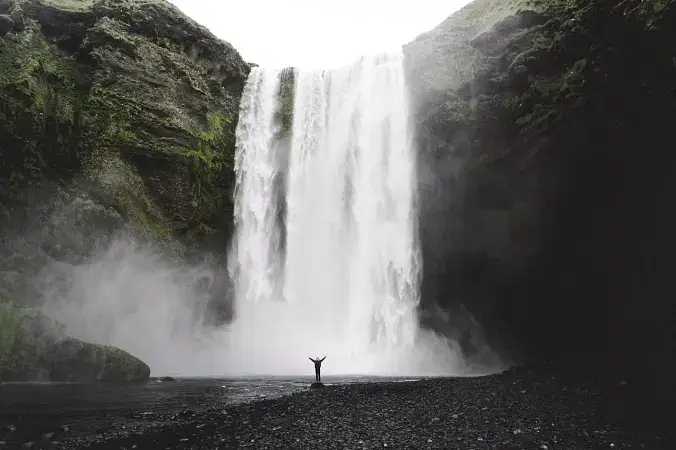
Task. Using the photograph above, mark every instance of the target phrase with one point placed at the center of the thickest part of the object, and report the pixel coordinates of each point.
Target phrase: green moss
(132, 81)
(42, 92)
(213, 154)
(70, 5)
(213, 144)
(45, 355)
(286, 95)
(11, 336)
(49, 80)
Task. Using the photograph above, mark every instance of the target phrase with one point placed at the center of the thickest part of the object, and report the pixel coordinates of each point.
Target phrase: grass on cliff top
(85, 5)
(70, 5)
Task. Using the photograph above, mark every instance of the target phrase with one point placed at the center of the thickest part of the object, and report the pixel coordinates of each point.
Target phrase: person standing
(318, 367)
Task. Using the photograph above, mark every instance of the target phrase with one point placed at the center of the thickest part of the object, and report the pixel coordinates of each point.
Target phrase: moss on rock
(132, 86)
(286, 103)
(35, 348)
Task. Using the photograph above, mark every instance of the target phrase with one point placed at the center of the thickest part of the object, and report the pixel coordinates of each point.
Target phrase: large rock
(546, 171)
(35, 348)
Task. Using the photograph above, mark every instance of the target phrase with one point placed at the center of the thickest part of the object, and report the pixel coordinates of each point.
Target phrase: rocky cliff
(115, 115)
(129, 96)
(546, 174)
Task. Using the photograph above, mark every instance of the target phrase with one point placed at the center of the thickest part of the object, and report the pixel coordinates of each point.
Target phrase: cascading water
(349, 285)
(257, 251)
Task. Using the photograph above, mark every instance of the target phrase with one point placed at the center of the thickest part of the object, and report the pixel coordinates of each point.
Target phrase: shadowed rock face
(546, 172)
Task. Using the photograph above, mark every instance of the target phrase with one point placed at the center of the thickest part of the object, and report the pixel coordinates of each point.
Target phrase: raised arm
(322, 359)
(311, 359)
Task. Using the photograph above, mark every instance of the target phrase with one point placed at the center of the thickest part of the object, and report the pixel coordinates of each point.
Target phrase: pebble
(436, 414)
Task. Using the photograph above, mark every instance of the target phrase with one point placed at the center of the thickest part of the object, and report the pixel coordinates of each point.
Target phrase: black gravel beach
(518, 409)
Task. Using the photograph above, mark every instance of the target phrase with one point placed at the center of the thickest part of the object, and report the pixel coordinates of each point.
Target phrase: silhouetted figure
(318, 367)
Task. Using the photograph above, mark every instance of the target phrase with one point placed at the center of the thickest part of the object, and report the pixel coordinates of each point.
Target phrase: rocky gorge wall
(545, 167)
(546, 175)
(117, 118)
(126, 108)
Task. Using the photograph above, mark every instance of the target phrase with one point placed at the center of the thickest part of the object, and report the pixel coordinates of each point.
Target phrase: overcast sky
(317, 33)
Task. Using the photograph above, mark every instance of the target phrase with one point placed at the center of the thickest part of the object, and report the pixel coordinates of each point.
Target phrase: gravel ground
(514, 410)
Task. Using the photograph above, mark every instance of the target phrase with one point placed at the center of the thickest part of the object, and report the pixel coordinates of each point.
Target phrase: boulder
(34, 347)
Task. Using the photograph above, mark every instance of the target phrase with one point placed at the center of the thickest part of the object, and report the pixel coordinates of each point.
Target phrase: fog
(155, 307)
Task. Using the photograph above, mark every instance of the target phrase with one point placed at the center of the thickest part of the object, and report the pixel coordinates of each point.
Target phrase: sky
(317, 33)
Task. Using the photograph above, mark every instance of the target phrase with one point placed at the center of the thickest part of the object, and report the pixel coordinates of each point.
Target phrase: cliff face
(115, 115)
(546, 172)
(129, 96)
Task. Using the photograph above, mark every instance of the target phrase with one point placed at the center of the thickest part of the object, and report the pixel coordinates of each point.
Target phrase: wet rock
(17, 16)
(40, 351)
(317, 385)
(6, 24)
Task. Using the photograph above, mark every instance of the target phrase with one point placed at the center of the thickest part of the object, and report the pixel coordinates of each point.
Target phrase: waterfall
(257, 235)
(348, 283)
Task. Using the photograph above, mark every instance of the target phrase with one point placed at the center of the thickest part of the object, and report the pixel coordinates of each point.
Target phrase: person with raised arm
(318, 367)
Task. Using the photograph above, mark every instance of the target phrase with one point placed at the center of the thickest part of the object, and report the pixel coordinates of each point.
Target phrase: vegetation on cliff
(130, 95)
(35, 348)
(115, 115)
(284, 114)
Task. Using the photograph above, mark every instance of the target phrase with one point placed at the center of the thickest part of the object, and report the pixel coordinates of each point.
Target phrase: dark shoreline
(519, 409)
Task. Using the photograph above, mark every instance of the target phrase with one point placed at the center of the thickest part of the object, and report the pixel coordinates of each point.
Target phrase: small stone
(48, 436)
(455, 416)
(65, 428)
(184, 440)
(11, 428)
(29, 444)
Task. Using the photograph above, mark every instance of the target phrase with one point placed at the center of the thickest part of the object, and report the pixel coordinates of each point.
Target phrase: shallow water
(72, 410)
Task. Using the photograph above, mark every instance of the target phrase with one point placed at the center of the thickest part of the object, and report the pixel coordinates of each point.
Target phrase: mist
(129, 296)
(132, 297)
